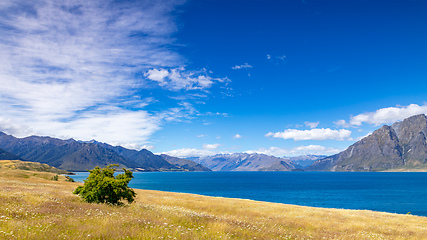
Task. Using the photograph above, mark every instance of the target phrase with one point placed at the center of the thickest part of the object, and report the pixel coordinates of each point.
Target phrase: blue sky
(196, 78)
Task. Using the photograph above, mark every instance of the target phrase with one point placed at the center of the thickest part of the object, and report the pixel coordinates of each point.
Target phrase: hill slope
(402, 145)
(185, 163)
(29, 166)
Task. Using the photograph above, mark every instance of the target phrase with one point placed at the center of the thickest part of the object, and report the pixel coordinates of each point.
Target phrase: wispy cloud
(189, 152)
(281, 57)
(311, 124)
(211, 146)
(272, 151)
(296, 151)
(68, 68)
(246, 65)
(342, 123)
(388, 115)
(277, 59)
(312, 134)
(179, 79)
(237, 136)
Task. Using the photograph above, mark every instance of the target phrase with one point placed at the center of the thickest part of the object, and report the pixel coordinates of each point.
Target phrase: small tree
(102, 187)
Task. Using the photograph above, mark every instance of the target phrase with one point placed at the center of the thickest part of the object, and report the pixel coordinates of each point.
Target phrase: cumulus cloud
(312, 134)
(189, 152)
(388, 115)
(237, 136)
(297, 151)
(211, 146)
(246, 65)
(311, 124)
(342, 123)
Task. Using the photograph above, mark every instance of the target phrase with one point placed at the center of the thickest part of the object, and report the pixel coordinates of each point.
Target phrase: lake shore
(35, 207)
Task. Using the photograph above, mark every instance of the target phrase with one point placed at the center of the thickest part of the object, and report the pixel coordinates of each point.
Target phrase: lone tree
(102, 187)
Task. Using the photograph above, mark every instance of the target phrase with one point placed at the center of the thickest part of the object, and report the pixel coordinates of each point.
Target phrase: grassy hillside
(30, 166)
(33, 207)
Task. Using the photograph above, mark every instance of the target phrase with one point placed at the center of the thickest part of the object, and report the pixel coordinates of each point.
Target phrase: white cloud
(388, 115)
(312, 134)
(180, 79)
(68, 67)
(157, 75)
(246, 65)
(342, 123)
(211, 146)
(189, 152)
(272, 151)
(134, 127)
(268, 56)
(297, 151)
(148, 147)
(360, 138)
(311, 124)
(237, 136)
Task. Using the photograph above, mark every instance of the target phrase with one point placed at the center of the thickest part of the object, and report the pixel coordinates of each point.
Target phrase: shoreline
(352, 198)
(35, 207)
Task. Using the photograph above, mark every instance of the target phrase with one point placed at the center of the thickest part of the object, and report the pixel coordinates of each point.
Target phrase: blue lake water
(387, 192)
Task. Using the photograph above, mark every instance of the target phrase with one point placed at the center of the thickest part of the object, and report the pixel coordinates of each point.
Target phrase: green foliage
(69, 179)
(55, 178)
(102, 187)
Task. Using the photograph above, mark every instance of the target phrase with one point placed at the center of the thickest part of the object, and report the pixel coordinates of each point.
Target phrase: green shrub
(55, 178)
(69, 179)
(102, 187)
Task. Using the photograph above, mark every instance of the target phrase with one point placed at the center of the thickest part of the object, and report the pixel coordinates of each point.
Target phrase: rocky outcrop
(401, 145)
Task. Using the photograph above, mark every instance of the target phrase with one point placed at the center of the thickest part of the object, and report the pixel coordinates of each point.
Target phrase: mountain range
(245, 162)
(402, 145)
(75, 155)
(304, 161)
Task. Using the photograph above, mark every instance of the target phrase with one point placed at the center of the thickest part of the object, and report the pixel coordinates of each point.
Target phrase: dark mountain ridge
(4, 155)
(74, 155)
(187, 164)
(402, 145)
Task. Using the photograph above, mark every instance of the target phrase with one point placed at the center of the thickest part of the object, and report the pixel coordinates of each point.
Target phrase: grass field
(34, 207)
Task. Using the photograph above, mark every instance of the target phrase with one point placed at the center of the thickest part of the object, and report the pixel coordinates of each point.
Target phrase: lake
(379, 191)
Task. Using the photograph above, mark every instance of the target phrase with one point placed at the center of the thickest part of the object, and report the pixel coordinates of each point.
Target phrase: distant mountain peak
(245, 162)
(401, 145)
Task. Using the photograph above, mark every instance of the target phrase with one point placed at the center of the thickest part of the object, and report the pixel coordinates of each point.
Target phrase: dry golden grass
(420, 169)
(30, 166)
(33, 207)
